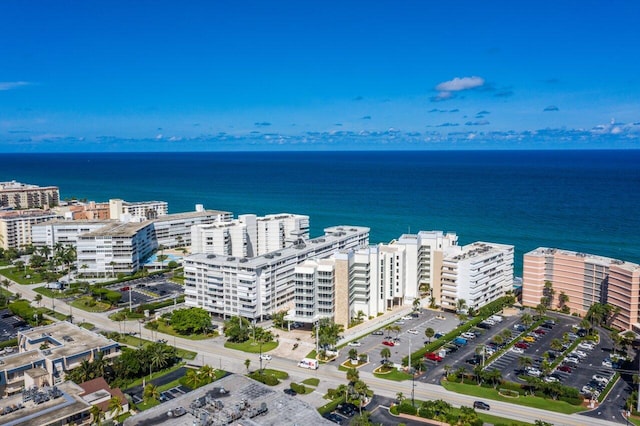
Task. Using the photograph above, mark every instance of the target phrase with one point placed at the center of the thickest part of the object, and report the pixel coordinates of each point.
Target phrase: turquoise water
(587, 201)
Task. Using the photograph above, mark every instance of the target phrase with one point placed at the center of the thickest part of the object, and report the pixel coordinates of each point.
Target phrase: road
(214, 353)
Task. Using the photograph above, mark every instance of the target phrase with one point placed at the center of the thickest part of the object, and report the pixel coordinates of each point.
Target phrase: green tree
(526, 320)
(192, 378)
(237, 329)
(37, 299)
(416, 304)
(328, 333)
(461, 305)
(524, 362)
(429, 333)
(385, 353)
(353, 375)
(191, 320)
(96, 415)
(247, 363)
(115, 407)
(151, 391)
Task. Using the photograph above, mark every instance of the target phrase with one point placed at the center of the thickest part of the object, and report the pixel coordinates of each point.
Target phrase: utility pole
(317, 341)
(130, 299)
(413, 383)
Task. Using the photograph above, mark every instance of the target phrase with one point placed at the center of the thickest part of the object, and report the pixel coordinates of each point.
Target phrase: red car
(521, 345)
(388, 343)
(433, 357)
(539, 331)
(564, 368)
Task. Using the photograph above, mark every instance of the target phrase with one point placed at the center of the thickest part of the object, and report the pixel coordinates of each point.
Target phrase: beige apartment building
(15, 226)
(24, 196)
(585, 279)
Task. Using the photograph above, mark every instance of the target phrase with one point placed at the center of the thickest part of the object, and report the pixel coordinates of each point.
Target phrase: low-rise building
(66, 232)
(137, 211)
(45, 354)
(174, 230)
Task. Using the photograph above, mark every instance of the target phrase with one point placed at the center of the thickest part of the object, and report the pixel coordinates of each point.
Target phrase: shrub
(406, 408)
(268, 380)
(298, 388)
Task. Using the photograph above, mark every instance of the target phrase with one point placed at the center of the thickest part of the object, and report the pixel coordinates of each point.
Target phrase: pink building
(586, 279)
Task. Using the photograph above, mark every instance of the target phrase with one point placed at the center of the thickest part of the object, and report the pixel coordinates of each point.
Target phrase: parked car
(400, 322)
(517, 350)
(479, 405)
(571, 360)
(290, 392)
(355, 343)
(564, 368)
(534, 372)
(333, 417)
(407, 317)
(474, 361)
(438, 335)
(599, 378)
(468, 335)
(412, 331)
(607, 363)
(528, 339)
(388, 343)
(551, 379)
(433, 356)
(521, 345)
(586, 345)
(540, 331)
(346, 409)
(578, 354)
(377, 333)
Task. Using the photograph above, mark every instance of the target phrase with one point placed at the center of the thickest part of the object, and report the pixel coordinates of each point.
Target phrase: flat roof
(190, 215)
(333, 234)
(13, 185)
(78, 222)
(546, 251)
(46, 412)
(118, 229)
(72, 339)
(282, 409)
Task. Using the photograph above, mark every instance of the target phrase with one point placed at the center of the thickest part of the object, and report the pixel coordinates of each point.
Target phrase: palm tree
(37, 299)
(96, 415)
(416, 304)
(247, 363)
(115, 407)
(541, 309)
(477, 372)
(461, 305)
(353, 353)
(151, 391)
(525, 361)
(563, 299)
(192, 377)
(207, 372)
(460, 372)
(556, 345)
(385, 353)
(495, 377)
(429, 333)
(353, 375)
(159, 356)
(526, 319)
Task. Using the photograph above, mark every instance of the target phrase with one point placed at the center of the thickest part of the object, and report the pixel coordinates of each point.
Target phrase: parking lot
(145, 290)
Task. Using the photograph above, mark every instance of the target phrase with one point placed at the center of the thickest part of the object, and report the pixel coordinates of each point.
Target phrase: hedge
(268, 380)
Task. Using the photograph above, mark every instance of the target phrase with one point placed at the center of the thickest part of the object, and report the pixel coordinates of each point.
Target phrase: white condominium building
(65, 232)
(477, 273)
(24, 196)
(315, 290)
(249, 235)
(115, 248)
(137, 212)
(174, 230)
(15, 227)
(254, 287)
(424, 253)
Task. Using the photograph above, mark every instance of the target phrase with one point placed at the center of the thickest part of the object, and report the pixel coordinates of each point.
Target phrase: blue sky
(208, 75)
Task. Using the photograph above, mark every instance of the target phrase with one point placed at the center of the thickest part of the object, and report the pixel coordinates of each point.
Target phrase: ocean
(588, 201)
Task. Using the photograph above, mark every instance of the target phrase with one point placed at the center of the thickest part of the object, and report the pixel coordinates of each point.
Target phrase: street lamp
(413, 378)
(140, 332)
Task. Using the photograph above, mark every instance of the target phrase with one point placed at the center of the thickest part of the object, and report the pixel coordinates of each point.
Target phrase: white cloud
(458, 84)
(10, 85)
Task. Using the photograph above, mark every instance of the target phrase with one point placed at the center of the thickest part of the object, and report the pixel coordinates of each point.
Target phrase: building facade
(139, 211)
(117, 248)
(477, 273)
(174, 230)
(24, 196)
(583, 279)
(253, 287)
(15, 226)
(250, 235)
(65, 232)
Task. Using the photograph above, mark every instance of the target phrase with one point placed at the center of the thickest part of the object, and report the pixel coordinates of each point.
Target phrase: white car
(579, 354)
(607, 363)
(572, 360)
(600, 379)
(265, 357)
(517, 350)
(400, 322)
(355, 343)
(407, 317)
(551, 379)
(586, 345)
(534, 372)
(412, 331)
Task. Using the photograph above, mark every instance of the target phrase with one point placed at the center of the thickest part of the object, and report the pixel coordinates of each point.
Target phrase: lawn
(395, 375)
(87, 325)
(528, 401)
(311, 381)
(46, 292)
(136, 342)
(165, 328)
(85, 303)
(146, 405)
(155, 375)
(20, 276)
(281, 375)
(251, 346)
